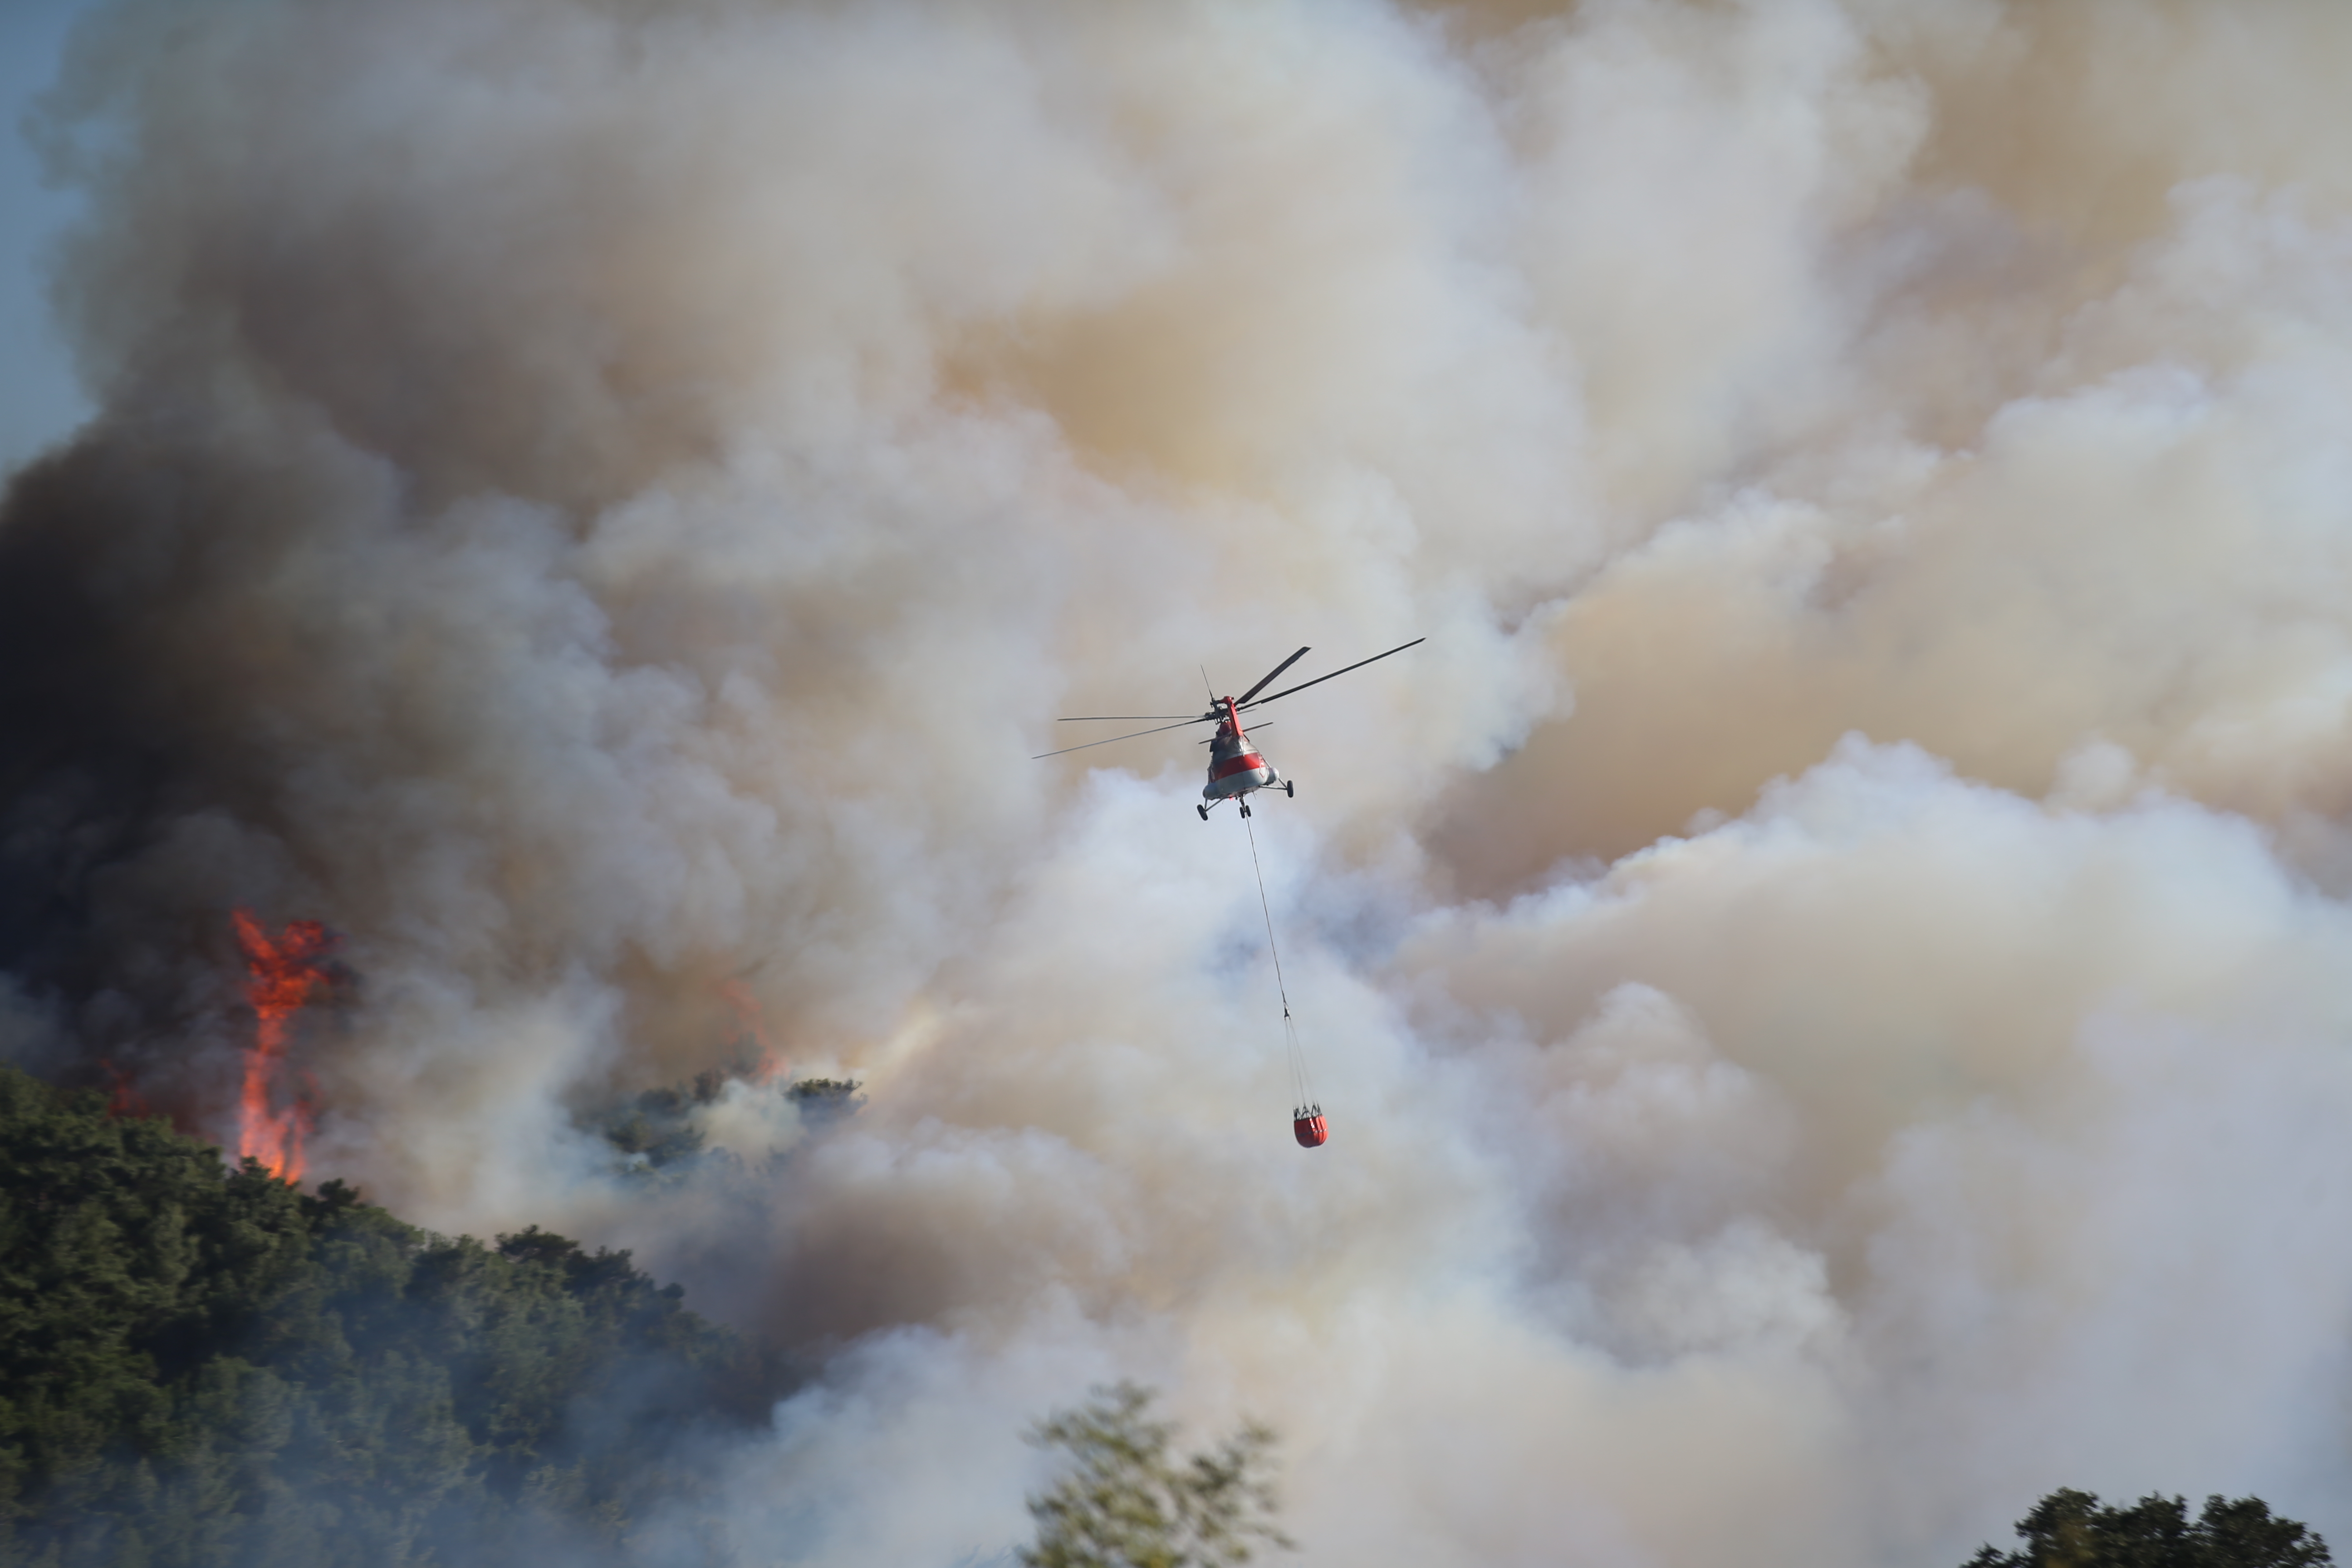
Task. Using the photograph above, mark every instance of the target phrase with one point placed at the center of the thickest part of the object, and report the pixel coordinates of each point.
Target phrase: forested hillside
(202, 1366)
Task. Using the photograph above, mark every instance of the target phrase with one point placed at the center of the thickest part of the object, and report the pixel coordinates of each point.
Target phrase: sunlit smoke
(1826, 970)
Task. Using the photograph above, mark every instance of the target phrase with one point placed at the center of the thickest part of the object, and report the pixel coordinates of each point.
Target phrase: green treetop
(2071, 1529)
(200, 1365)
(1125, 1503)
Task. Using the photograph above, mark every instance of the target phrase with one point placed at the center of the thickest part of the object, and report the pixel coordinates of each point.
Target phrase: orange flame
(124, 1098)
(746, 1008)
(281, 975)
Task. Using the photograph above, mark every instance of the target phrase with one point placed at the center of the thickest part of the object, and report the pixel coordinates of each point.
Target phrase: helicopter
(1237, 769)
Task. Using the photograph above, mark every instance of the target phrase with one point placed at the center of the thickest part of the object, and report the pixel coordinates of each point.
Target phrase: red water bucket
(1310, 1127)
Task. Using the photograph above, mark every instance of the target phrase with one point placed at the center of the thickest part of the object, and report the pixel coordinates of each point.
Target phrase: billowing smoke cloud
(1827, 969)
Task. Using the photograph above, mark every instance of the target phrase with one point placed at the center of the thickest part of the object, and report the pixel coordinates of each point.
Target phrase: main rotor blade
(1270, 674)
(1321, 679)
(1043, 755)
(1253, 730)
(1139, 717)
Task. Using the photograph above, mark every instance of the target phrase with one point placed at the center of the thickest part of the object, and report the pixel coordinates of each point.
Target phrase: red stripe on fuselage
(1240, 764)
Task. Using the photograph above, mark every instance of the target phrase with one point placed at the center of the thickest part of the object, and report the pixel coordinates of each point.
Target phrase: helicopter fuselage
(1236, 766)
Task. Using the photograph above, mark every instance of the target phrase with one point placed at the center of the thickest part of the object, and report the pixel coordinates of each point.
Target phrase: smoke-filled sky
(1828, 970)
(38, 398)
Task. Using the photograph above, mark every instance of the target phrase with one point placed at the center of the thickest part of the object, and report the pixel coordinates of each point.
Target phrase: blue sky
(40, 399)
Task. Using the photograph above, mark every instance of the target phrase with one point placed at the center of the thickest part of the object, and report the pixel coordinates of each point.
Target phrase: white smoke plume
(1828, 969)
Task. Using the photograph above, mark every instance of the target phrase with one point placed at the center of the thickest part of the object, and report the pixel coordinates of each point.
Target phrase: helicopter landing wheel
(1245, 810)
(1290, 787)
(1204, 811)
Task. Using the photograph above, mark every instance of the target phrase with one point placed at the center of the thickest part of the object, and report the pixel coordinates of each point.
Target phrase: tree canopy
(1125, 1503)
(2071, 1529)
(200, 1365)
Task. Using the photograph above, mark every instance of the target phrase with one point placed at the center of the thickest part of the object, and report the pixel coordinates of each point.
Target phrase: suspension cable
(1267, 910)
(1301, 1087)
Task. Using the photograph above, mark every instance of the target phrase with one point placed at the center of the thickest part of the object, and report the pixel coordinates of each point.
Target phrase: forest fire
(122, 1096)
(747, 1010)
(282, 973)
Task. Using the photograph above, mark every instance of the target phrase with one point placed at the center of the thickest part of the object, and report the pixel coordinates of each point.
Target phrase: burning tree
(768, 1063)
(282, 974)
